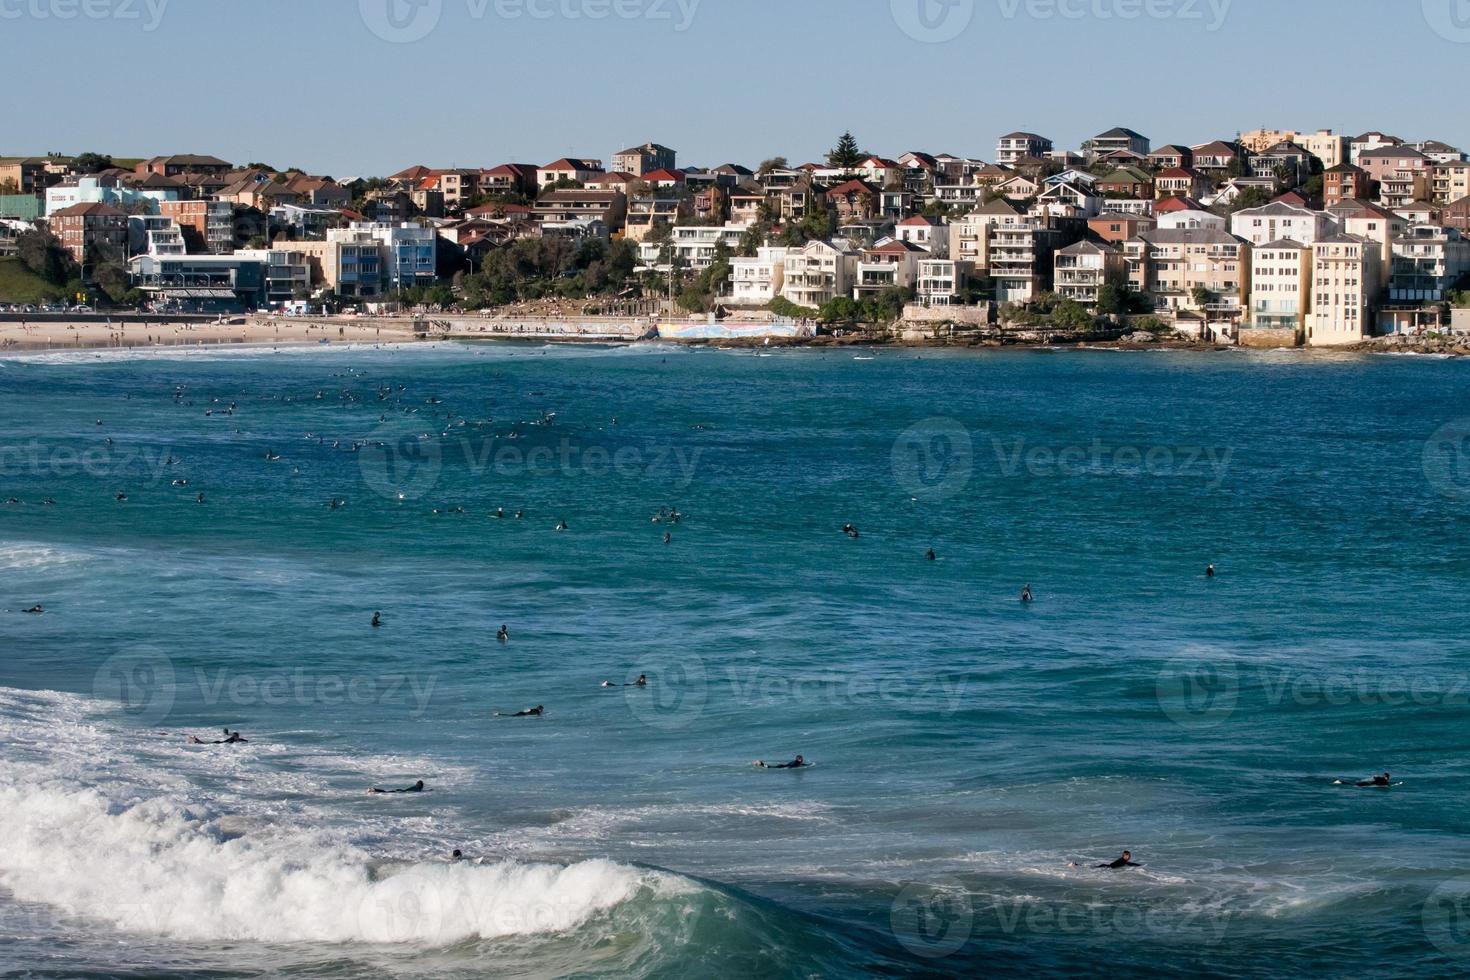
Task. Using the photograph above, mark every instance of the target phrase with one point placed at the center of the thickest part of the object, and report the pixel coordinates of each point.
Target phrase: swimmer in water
(503, 634)
(798, 763)
(930, 555)
(668, 538)
(417, 787)
(231, 738)
(35, 610)
(1126, 861)
(200, 498)
(1026, 595)
(562, 526)
(850, 531)
(535, 712)
(457, 856)
(377, 620)
(1210, 571)
(500, 512)
(121, 495)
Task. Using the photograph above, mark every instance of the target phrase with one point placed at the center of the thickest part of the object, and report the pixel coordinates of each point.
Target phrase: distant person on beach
(1126, 861)
(798, 763)
(417, 787)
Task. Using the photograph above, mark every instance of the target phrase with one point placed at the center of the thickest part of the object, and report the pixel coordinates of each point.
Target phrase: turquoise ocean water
(967, 749)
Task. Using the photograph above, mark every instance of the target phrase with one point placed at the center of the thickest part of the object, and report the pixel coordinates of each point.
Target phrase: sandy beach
(44, 334)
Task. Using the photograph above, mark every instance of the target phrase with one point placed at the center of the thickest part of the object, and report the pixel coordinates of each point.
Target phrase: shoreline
(50, 336)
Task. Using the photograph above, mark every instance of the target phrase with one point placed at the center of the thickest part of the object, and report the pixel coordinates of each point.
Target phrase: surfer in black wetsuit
(1210, 571)
(535, 712)
(1026, 595)
(798, 763)
(850, 531)
(1126, 861)
(1381, 781)
(35, 610)
(930, 555)
(377, 620)
(231, 738)
(417, 787)
(503, 634)
(668, 538)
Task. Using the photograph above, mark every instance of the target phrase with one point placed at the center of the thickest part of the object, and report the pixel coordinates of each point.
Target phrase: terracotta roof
(90, 211)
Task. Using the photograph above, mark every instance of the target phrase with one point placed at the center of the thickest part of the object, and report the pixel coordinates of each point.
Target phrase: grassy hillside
(20, 285)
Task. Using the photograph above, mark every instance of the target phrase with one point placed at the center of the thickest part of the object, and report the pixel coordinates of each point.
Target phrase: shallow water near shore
(967, 748)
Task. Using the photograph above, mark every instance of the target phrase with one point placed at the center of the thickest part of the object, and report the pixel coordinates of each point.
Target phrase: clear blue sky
(311, 83)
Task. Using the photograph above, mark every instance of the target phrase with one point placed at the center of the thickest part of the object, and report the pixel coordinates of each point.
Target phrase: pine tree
(846, 153)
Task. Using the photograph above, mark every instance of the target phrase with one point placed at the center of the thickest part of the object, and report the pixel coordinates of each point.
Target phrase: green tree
(91, 163)
(846, 153)
(1112, 298)
(1201, 296)
(41, 252)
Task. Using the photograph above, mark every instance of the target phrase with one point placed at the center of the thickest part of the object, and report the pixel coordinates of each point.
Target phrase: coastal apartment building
(819, 272)
(568, 169)
(150, 234)
(1280, 285)
(91, 231)
(286, 276)
(1083, 268)
(1172, 265)
(969, 234)
(23, 175)
(1021, 262)
(891, 265)
(940, 281)
(1276, 221)
(1428, 261)
(1345, 182)
(639, 160)
(692, 247)
(1014, 147)
(208, 226)
(1329, 147)
(1449, 182)
(1119, 140)
(757, 280)
(201, 283)
(1345, 288)
(184, 163)
(570, 205)
(408, 253)
(351, 267)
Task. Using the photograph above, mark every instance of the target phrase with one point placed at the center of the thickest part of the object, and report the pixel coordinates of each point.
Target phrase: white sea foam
(162, 868)
(15, 556)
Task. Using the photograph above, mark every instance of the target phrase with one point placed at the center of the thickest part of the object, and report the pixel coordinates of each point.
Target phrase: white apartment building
(1277, 221)
(756, 281)
(408, 253)
(940, 281)
(1083, 268)
(1014, 146)
(969, 234)
(819, 272)
(104, 190)
(1281, 285)
(893, 264)
(692, 246)
(1345, 278)
(930, 234)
